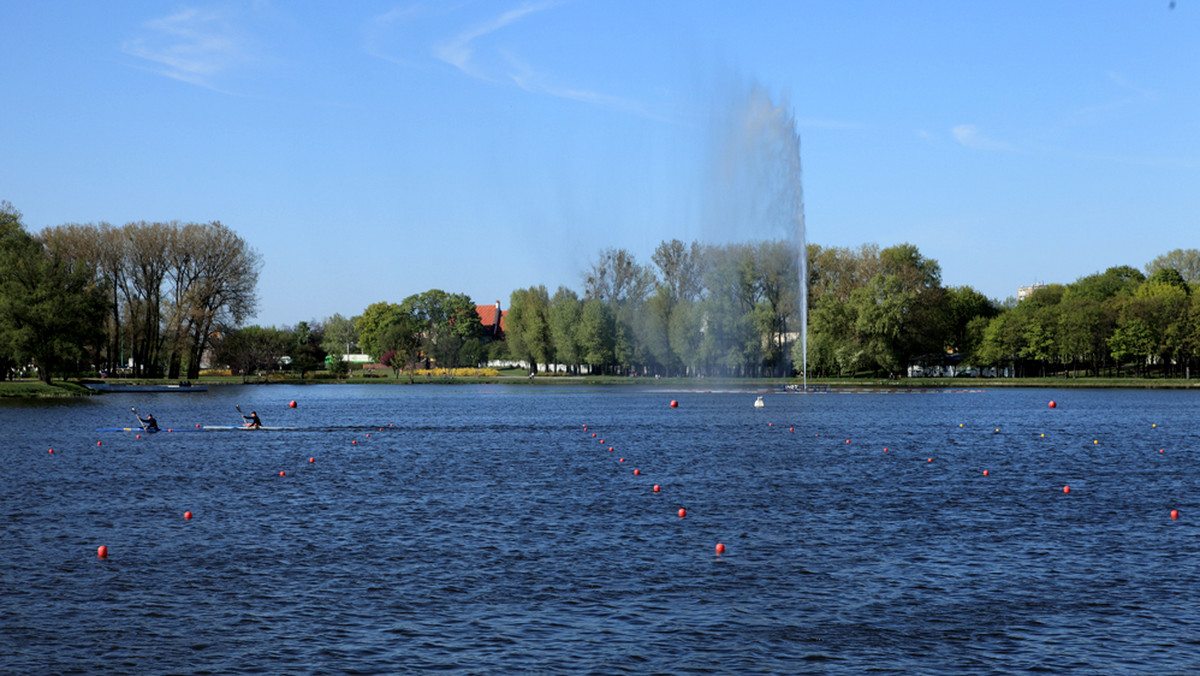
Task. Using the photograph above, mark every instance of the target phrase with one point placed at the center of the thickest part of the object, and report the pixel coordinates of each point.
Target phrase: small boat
(147, 431)
(200, 428)
(245, 427)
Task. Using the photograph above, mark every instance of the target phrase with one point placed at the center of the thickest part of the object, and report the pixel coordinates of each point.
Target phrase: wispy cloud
(1130, 95)
(378, 32)
(474, 52)
(969, 136)
(459, 51)
(193, 46)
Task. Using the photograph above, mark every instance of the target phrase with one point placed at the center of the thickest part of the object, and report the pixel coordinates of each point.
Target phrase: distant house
(1024, 292)
(492, 319)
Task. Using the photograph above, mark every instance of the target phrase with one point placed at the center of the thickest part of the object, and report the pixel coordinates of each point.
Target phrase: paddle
(139, 418)
(239, 408)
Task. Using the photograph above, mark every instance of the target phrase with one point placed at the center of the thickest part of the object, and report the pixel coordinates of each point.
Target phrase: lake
(499, 529)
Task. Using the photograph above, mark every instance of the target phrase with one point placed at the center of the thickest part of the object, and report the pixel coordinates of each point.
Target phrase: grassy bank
(31, 389)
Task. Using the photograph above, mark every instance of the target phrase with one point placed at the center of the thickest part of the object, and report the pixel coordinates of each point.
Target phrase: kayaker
(150, 424)
(253, 418)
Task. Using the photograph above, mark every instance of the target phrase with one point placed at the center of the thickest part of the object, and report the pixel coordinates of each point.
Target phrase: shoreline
(35, 389)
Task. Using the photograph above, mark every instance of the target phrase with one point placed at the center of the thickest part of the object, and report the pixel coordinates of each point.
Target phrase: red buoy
(682, 512)
(655, 488)
(311, 460)
(637, 472)
(720, 548)
(282, 473)
(674, 404)
(1066, 489)
(292, 404)
(102, 552)
(187, 515)
(97, 443)
(52, 451)
(593, 435)
(622, 459)
(139, 436)
(1174, 513)
(985, 472)
(611, 449)
(602, 441)
(1052, 404)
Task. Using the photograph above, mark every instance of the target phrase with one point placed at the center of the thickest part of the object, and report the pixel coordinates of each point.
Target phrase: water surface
(483, 529)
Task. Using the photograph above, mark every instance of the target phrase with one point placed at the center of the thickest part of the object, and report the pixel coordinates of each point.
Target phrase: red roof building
(492, 319)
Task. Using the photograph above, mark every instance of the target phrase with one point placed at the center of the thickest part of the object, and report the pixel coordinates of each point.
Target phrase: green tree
(402, 345)
(530, 338)
(594, 334)
(565, 313)
(1084, 329)
(51, 307)
(1186, 262)
(444, 321)
(254, 350)
(1133, 340)
(964, 306)
(374, 321)
(340, 335)
(619, 280)
(306, 354)
(730, 344)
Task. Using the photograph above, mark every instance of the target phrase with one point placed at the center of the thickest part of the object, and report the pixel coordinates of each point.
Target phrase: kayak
(139, 429)
(244, 427)
(191, 429)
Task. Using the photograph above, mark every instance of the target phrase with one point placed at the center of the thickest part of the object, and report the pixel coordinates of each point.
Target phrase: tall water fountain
(755, 190)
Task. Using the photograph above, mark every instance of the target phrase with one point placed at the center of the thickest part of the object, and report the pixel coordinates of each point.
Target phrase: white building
(1024, 292)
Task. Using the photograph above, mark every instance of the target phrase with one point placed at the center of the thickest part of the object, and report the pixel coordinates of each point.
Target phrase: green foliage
(51, 306)
(401, 344)
(337, 367)
(374, 320)
(340, 334)
(444, 322)
(252, 350)
(529, 334)
(1186, 263)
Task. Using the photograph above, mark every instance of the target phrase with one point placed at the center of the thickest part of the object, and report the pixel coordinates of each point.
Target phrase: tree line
(424, 329)
(1117, 322)
(146, 298)
(729, 310)
(155, 298)
(732, 310)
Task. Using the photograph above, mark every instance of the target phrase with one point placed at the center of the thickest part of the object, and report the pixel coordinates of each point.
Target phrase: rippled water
(484, 530)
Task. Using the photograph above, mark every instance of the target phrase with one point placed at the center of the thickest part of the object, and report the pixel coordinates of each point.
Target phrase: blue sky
(372, 150)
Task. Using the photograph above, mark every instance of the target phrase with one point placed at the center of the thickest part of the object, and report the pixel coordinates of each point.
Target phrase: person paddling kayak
(253, 418)
(149, 422)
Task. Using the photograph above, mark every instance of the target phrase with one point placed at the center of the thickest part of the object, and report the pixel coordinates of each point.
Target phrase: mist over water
(754, 190)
